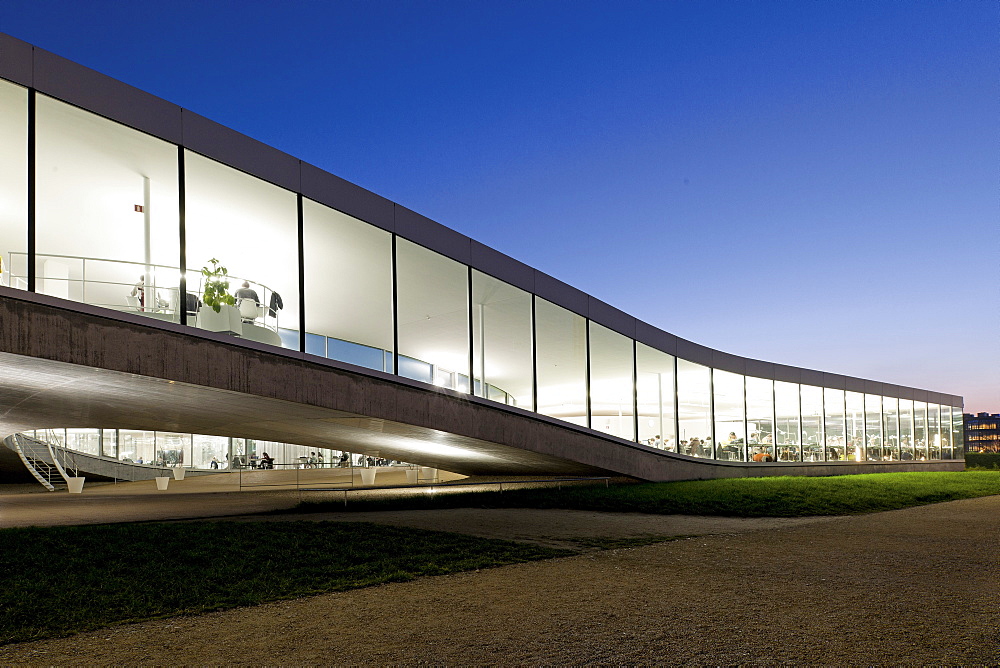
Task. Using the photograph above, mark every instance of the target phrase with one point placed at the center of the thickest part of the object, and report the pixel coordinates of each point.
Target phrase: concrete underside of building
(64, 364)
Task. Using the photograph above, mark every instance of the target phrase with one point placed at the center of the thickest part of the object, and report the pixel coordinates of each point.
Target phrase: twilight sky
(814, 183)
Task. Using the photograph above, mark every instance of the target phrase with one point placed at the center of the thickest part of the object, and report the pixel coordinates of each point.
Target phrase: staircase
(38, 459)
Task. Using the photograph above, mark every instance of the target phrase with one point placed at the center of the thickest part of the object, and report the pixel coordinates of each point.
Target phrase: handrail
(15, 443)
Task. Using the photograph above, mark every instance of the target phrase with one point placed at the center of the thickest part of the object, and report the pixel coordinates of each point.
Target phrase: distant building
(982, 432)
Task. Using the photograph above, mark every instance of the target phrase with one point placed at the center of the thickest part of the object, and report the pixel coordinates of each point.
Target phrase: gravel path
(916, 586)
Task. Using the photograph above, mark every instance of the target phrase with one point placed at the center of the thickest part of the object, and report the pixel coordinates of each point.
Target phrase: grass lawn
(735, 497)
(62, 580)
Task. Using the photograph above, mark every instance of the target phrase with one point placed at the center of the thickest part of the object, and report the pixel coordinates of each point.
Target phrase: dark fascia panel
(607, 315)
(728, 362)
(852, 384)
(834, 381)
(16, 60)
(83, 87)
(502, 267)
(655, 337)
(694, 352)
(216, 141)
(903, 392)
(920, 395)
(760, 369)
(342, 195)
(561, 294)
(435, 236)
(810, 377)
(787, 374)
(873, 387)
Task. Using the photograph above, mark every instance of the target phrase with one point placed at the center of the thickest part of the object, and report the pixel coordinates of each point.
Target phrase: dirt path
(916, 586)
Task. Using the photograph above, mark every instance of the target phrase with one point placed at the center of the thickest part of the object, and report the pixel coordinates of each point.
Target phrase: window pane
(611, 382)
(501, 349)
(209, 452)
(14, 186)
(946, 432)
(251, 228)
(934, 430)
(786, 408)
(957, 433)
(561, 338)
(730, 412)
(873, 426)
(812, 423)
(906, 449)
(920, 429)
(855, 425)
(760, 418)
(890, 426)
(836, 446)
(348, 267)
(433, 316)
(655, 391)
(694, 402)
(107, 213)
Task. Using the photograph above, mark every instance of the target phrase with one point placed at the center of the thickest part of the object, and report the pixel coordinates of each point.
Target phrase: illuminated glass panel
(836, 443)
(957, 432)
(106, 229)
(655, 393)
(907, 451)
(433, 313)
(855, 420)
(786, 409)
(348, 281)
(760, 419)
(501, 341)
(890, 427)
(561, 341)
(946, 450)
(812, 423)
(13, 186)
(934, 430)
(611, 385)
(920, 430)
(694, 409)
(730, 415)
(873, 427)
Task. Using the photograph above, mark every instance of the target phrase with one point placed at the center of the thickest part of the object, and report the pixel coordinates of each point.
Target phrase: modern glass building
(115, 199)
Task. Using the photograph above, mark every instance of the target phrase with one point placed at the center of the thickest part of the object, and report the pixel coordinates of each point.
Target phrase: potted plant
(216, 286)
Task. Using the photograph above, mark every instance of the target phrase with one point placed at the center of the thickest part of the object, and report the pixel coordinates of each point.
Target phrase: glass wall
(433, 313)
(611, 383)
(694, 409)
(561, 343)
(934, 430)
(812, 423)
(920, 430)
(250, 227)
(730, 414)
(957, 433)
(13, 186)
(855, 406)
(348, 284)
(836, 442)
(946, 432)
(786, 410)
(890, 429)
(906, 450)
(760, 419)
(501, 343)
(106, 228)
(655, 393)
(873, 427)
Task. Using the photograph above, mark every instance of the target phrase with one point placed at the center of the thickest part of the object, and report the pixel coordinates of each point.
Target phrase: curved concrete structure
(74, 361)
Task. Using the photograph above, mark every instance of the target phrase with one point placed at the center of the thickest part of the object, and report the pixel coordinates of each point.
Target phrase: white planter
(367, 476)
(412, 476)
(76, 485)
(428, 474)
(179, 472)
(162, 482)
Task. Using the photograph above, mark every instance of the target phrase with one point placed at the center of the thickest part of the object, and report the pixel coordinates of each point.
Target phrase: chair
(250, 310)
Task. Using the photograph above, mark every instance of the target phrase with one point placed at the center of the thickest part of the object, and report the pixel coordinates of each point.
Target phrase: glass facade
(108, 231)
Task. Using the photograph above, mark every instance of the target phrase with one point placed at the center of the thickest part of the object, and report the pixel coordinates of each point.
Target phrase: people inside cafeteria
(266, 461)
(246, 292)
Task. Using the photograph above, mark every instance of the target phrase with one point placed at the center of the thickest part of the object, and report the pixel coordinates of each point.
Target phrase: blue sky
(811, 183)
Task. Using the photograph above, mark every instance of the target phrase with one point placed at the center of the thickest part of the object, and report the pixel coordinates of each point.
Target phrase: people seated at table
(246, 292)
(266, 461)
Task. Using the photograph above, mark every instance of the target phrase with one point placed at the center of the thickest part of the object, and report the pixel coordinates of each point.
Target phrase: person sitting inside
(246, 292)
(266, 461)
